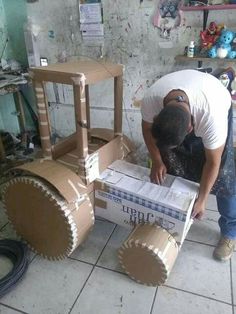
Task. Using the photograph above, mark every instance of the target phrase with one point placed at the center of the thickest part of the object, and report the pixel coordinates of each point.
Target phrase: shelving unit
(207, 8)
(206, 59)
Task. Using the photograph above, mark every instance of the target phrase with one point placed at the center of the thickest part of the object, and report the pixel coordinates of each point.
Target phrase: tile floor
(91, 280)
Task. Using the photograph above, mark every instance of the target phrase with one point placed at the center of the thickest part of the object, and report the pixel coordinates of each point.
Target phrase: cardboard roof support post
(44, 123)
(81, 123)
(148, 255)
(118, 101)
(88, 110)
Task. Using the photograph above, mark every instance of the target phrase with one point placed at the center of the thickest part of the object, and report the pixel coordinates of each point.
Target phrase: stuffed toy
(223, 47)
(210, 35)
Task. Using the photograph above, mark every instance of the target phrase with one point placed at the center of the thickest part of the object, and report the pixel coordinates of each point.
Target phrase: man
(186, 123)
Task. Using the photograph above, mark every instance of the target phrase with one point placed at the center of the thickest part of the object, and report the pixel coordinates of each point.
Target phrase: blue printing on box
(148, 204)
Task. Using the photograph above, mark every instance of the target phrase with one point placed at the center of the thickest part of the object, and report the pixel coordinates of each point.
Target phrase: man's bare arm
(209, 176)
(158, 170)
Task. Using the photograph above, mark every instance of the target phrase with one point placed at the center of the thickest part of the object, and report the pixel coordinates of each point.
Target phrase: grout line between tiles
(81, 290)
(113, 270)
(154, 299)
(198, 242)
(105, 244)
(98, 266)
(12, 308)
(231, 286)
(91, 271)
(79, 260)
(197, 294)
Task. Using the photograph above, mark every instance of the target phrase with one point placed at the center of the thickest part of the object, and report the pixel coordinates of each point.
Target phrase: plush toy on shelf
(210, 35)
(224, 46)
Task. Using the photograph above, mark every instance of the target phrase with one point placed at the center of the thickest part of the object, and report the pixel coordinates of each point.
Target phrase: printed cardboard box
(125, 195)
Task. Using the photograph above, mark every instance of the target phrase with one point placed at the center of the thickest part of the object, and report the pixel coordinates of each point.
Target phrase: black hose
(17, 252)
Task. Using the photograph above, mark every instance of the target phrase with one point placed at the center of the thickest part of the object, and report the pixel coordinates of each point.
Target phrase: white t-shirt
(209, 103)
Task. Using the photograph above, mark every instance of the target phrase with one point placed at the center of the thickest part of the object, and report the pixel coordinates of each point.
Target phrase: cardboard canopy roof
(93, 70)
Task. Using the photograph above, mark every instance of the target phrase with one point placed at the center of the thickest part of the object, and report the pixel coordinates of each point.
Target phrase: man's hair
(170, 126)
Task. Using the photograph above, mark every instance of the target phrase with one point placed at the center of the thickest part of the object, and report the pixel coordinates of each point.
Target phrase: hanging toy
(167, 17)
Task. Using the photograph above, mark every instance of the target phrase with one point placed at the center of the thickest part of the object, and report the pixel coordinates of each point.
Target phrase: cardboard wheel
(50, 225)
(148, 255)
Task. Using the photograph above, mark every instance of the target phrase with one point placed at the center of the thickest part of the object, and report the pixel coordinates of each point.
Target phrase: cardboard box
(124, 195)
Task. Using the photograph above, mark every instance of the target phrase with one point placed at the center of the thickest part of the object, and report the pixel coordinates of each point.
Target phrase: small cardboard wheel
(148, 255)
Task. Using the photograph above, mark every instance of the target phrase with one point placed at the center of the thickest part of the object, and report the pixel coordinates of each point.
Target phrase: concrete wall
(15, 17)
(130, 39)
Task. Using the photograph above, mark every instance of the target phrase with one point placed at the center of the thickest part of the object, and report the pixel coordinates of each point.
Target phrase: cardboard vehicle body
(125, 196)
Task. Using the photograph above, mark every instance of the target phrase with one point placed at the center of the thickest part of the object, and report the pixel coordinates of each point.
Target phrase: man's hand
(158, 172)
(198, 209)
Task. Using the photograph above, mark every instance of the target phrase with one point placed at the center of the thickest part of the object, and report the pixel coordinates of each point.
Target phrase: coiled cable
(17, 252)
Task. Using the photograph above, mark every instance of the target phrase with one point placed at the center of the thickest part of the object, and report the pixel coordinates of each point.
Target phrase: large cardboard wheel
(45, 220)
(148, 255)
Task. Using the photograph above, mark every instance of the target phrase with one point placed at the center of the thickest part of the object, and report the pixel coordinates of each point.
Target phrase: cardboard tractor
(50, 202)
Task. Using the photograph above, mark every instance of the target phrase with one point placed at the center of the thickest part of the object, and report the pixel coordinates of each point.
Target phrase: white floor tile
(233, 259)
(6, 310)
(109, 258)
(196, 271)
(169, 301)
(49, 287)
(90, 250)
(107, 292)
(211, 203)
(205, 230)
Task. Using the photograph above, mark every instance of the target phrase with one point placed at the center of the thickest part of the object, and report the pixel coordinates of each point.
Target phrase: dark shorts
(188, 159)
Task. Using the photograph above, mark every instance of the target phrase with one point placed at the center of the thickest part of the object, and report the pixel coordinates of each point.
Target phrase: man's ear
(190, 128)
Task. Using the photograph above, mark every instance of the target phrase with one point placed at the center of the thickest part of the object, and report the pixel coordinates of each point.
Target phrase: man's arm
(209, 176)
(158, 170)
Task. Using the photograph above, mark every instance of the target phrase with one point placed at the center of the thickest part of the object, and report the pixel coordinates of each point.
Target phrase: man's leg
(227, 223)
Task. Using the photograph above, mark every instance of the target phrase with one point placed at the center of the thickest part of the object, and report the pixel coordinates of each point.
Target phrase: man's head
(171, 126)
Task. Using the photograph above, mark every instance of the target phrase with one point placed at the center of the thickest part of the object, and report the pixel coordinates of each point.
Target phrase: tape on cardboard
(80, 81)
(100, 203)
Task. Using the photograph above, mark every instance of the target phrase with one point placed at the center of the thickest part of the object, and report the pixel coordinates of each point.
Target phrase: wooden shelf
(206, 59)
(209, 7)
